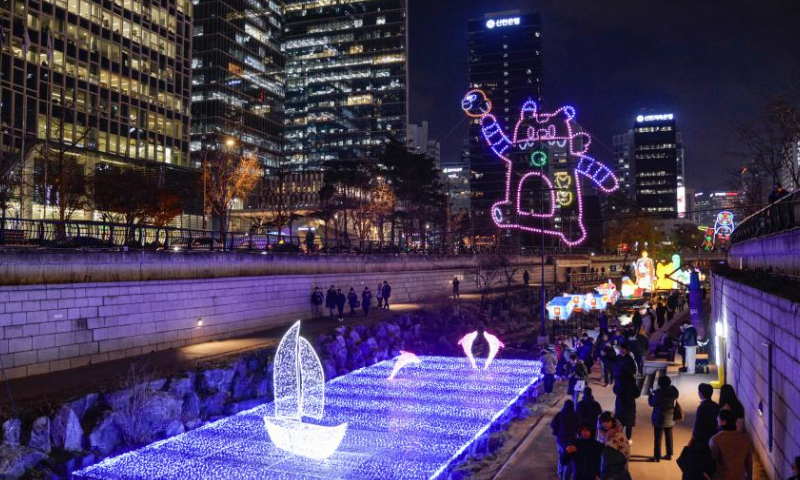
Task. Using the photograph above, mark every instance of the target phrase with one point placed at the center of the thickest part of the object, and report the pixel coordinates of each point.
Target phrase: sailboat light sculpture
(300, 392)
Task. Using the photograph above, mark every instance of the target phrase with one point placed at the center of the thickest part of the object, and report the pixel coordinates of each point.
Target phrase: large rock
(106, 435)
(179, 387)
(243, 386)
(217, 380)
(159, 409)
(40, 435)
(190, 411)
(84, 404)
(215, 404)
(65, 430)
(175, 427)
(11, 431)
(16, 460)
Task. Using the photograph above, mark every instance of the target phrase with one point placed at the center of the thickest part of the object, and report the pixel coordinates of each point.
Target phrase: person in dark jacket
(689, 344)
(627, 391)
(379, 295)
(387, 292)
(626, 363)
(526, 278)
(317, 299)
(696, 462)
(616, 451)
(609, 359)
(366, 300)
(585, 454)
(602, 321)
(729, 401)
(352, 300)
(637, 321)
(341, 300)
(564, 426)
(577, 373)
(330, 300)
(456, 283)
(663, 402)
(588, 408)
(705, 420)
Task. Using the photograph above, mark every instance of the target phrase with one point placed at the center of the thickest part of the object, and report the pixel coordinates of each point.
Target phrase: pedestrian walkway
(537, 455)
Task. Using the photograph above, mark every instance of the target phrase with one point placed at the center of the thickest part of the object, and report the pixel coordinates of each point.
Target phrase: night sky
(712, 63)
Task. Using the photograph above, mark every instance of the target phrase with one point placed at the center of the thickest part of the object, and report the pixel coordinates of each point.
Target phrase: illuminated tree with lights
(228, 176)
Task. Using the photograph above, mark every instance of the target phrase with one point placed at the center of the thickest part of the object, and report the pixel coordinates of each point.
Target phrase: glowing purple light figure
(404, 359)
(466, 343)
(468, 340)
(535, 130)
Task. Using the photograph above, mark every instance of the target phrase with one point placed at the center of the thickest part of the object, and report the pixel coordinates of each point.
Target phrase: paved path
(537, 458)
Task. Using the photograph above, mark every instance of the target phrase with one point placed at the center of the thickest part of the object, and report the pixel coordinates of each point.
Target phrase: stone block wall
(755, 318)
(779, 253)
(47, 328)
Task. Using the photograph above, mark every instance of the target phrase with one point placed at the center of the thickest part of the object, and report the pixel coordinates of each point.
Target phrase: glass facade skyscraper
(238, 83)
(346, 91)
(505, 62)
(106, 80)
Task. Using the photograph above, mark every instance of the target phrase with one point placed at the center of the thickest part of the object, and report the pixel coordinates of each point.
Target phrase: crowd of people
(595, 444)
(335, 300)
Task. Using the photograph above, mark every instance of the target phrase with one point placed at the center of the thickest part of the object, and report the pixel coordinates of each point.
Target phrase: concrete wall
(779, 253)
(754, 318)
(46, 328)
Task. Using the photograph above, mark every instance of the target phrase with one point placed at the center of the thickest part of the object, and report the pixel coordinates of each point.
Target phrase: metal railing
(784, 214)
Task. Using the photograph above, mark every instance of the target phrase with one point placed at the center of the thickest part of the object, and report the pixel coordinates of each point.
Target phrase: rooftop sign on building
(502, 22)
(654, 118)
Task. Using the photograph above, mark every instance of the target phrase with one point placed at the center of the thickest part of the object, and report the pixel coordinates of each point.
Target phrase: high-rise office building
(238, 79)
(505, 62)
(707, 204)
(346, 91)
(649, 162)
(418, 141)
(106, 83)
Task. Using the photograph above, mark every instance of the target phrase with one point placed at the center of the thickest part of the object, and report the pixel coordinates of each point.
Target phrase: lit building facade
(107, 82)
(346, 91)
(505, 61)
(419, 141)
(707, 204)
(649, 162)
(238, 78)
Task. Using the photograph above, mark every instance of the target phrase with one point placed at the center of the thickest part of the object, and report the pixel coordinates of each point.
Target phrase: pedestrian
(626, 391)
(663, 401)
(585, 350)
(608, 360)
(526, 278)
(637, 321)
(777, 193)
(661, 314)
(705, 420)
(696, 462)
(602, 322)
(585, 453)
(577, 377)
(366, 300)
(310, 242)
(549, 362)
(352, 300)
(564, 426)
(589, 409)
(689, 343)
(456, 283)
(795, 469)
(379, 295)
(626, 361)
(317, 299)
(729, 401)
(732, 450)
(616, 451)
(331, 299)
(387, 292)
(341, 299)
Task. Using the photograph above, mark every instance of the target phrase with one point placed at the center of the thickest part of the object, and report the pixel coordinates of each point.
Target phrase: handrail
(779, 216)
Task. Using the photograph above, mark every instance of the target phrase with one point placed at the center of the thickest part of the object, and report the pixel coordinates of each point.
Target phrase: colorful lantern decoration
(468, 340)
(403, 359)
(560, 308)
(533, 132)
(645, 273)
(628, 288)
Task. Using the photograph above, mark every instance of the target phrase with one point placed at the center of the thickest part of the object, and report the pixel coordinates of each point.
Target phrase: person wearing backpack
(317, 299)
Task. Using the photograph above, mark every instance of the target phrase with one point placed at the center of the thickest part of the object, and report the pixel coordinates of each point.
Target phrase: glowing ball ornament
(534, 132)
(300, 392)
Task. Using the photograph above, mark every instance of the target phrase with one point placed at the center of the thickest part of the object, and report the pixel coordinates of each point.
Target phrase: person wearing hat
(549, 362)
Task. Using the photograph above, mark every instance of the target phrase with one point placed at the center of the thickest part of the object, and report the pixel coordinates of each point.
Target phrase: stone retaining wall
(779, 253)
(47, 328)
(755, 318)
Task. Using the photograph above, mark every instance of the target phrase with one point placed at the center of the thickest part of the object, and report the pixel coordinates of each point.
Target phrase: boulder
(175, 427)
(11, 431)
(214, 405)
(106, 435)
(243, 386)
(84, 404)
(158, 409)
(40, 435)
(179, 387)
(65, 430)
(216, 380)
(16, 460)
(190, 411)
(355, 337)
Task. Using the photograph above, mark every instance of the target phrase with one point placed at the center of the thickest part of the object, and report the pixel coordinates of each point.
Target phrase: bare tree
(508, 270)
(228, 176)
(487, 275)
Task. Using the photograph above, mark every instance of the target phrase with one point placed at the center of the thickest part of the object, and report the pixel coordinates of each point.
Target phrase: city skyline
(702, 68)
